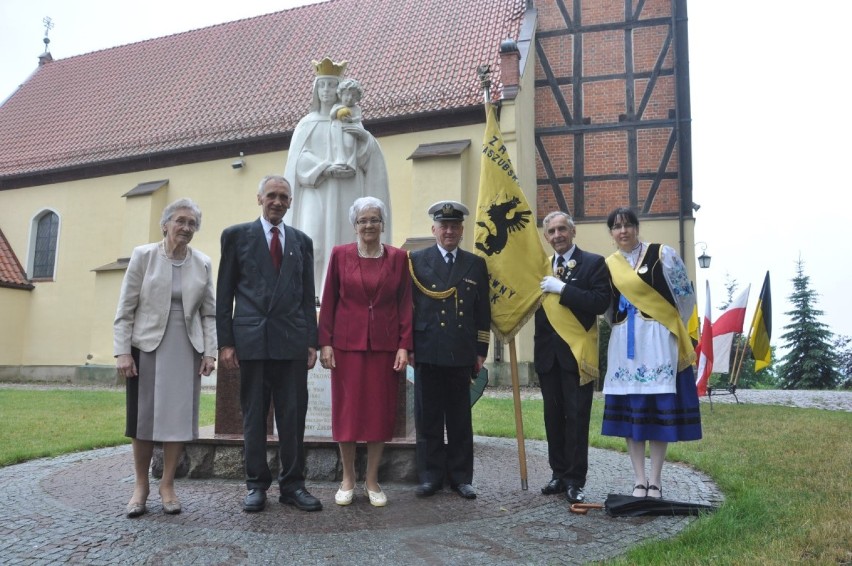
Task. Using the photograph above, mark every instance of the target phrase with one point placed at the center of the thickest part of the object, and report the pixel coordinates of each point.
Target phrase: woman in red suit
(365, 334)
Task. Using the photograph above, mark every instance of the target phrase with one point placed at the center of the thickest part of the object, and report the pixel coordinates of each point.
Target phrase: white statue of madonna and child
(332, 161)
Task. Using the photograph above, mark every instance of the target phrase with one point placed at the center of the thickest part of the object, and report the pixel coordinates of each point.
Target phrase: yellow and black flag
(506, 236)
(761, 328)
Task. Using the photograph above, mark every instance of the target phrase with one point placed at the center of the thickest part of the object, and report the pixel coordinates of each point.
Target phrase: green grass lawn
(36, 423)
(786, 473)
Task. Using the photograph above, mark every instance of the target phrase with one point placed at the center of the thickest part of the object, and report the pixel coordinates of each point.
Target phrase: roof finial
(48, 25)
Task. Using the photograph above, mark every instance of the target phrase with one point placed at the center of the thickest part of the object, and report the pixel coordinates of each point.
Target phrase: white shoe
(377, 498)
(344, 497)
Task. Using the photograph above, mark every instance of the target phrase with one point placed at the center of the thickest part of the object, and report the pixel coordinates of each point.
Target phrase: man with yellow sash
(566, 353)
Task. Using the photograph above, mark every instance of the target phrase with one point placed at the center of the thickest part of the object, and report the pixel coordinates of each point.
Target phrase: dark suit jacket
(264, 314)
(447, 334)
(349, 320)
(587, 294)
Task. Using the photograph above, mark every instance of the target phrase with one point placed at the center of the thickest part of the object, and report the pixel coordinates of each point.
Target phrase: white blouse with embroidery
(653, 366)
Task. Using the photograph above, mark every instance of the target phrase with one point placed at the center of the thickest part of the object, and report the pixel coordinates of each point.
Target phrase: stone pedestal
(218, 452)
(221, 456)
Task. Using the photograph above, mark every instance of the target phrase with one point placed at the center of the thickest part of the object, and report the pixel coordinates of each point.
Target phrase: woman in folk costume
(649, 389)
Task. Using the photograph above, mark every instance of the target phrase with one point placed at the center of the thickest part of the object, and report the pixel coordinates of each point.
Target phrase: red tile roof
(11, 272)
(250, 79)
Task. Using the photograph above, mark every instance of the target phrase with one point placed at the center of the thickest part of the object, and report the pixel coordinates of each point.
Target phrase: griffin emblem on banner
(498, 214)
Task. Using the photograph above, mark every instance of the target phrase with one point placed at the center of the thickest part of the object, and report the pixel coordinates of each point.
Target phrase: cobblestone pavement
(71, 509)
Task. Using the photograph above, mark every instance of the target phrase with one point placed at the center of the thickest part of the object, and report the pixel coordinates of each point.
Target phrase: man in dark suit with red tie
(452, 318)
(581, 281)
(267, 327)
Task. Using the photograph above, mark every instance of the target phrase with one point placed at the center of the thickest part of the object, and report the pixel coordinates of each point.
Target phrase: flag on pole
(692, 326)
(725, 327)
(506, 236)
(704, 351)
(761, 328)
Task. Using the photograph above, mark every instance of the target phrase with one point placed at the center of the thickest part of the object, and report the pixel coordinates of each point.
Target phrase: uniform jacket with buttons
(146, 298)
(451, 331)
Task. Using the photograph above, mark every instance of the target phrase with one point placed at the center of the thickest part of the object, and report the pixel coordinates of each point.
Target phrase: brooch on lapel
(643, 269)
(572, 264)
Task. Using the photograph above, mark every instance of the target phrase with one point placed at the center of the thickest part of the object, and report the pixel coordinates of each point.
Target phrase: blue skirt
(667, 417)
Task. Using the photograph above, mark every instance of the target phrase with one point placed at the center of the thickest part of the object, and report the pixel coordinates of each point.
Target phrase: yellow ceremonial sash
(648, 300)
(583, 344)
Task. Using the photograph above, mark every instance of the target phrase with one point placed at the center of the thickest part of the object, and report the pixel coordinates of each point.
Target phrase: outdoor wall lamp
(703, 259)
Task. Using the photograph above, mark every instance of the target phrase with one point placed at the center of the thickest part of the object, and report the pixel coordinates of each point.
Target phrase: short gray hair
(551, 215)
(272, 178)
(170, 210)
(362, 204)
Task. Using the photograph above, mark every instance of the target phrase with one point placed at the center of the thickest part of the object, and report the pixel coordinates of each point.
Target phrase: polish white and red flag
(729, 324)
(704, 350)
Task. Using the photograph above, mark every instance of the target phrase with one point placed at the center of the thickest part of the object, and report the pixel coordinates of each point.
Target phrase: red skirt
(363, 396)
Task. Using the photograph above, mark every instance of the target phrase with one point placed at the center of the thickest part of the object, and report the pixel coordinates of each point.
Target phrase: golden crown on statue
(330, 68)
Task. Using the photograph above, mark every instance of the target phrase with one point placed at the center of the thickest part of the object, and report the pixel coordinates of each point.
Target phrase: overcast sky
(770, 124)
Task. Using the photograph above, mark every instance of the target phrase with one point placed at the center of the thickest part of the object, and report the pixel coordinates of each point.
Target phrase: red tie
(275, 249)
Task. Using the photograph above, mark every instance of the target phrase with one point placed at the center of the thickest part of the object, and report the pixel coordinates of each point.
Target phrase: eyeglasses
(191, 224)
(617, 227)
(370, 221)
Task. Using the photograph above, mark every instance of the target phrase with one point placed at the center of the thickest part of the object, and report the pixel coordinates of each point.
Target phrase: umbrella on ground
(629, 506)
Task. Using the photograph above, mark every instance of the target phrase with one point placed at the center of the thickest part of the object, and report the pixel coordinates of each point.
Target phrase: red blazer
(347, 320)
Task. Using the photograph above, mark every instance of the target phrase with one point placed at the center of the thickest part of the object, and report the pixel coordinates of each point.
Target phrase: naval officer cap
(448, 210)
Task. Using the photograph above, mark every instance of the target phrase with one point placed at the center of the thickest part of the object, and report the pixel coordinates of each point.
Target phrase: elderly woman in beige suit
(164, 341)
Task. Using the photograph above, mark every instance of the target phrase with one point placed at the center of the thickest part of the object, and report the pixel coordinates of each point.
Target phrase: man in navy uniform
(581, 280)
(452, 317)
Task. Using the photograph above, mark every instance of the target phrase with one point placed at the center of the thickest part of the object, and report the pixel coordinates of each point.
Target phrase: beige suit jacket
(145, 301)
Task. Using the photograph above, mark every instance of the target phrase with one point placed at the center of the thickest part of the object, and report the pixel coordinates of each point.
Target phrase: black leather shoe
(427, 489)
(555, 485)
(574, 494)
(465, 490)
(255, 500)
(301, 499)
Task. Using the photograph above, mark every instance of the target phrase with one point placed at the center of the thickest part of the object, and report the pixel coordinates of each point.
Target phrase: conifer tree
(810, 362)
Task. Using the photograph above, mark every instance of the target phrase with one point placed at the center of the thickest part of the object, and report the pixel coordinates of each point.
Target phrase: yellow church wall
(68, 321)
(14, 306)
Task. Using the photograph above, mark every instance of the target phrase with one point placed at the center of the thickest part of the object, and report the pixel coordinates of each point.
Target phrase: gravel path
(829, 400)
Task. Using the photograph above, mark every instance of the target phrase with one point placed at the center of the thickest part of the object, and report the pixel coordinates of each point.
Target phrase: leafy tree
(843, 350)
(810, 361)
(731, 286)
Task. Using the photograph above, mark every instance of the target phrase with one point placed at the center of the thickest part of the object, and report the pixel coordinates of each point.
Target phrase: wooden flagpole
(519, 419)
(742, 358)
(736, 359)
(483, 71)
